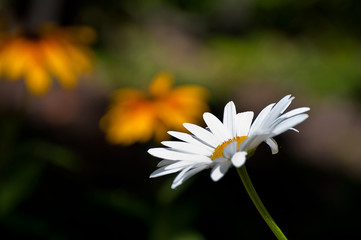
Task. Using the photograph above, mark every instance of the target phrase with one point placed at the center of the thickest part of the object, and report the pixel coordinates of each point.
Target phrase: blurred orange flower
(52, 52)
(137, 116)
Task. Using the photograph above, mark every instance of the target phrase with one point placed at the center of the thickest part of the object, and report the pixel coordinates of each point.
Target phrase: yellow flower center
(218, 152)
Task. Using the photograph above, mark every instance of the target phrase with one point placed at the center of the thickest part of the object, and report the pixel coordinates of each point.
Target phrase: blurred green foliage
(326, 64)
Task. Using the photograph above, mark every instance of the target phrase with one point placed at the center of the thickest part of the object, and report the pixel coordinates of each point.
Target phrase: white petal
(229, 118)
(187, 138)
(243, 123)
(270, 115)
(185, 164)
(217, 127)
(289, 123)
(239, 159)
(174, 155)
(219, 170)
(257, 124)
(295, 112)
(164, 163)
(230, 149)
(294, 129)
(161, 172)
(189, 148)
(289, 114)
(219, 160)
(202, 134)
(187, 175)
(253, 141)
(181, 174)
(273, 145)
(280, 107)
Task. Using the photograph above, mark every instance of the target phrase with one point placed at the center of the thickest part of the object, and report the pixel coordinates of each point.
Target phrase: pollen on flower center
(218, 151)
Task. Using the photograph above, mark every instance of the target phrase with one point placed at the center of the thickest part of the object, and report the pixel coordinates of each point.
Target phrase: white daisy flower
(221, 145)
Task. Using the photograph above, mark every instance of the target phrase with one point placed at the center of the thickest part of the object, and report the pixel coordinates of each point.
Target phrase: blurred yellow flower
(52, 52)
(137, 116)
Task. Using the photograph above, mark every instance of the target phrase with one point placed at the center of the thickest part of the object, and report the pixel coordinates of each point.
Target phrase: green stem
(242, 172)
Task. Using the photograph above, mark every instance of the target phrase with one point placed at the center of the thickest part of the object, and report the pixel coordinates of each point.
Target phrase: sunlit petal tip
(161, 153)
(216, 174)
(273, 145)
(295, 112)
(186, 174)
(229, 118)
(180, 176)
(295, 130)
(239, 159)
(151, 151)
(164, 143)
(161, 172)
(284, 102)
(164, 163)
(289, 97)
(180, 135)
(172, 133)
(220, 170)
(230, 106)
(289, 123)
(229, 112)
(175, 185)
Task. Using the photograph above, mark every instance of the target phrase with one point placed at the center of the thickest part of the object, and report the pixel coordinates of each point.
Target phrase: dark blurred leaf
(24, 225)
(190, 235)
(53, 153)
(166, 195)
(9, 128)
(125, 202)
(15, 186)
